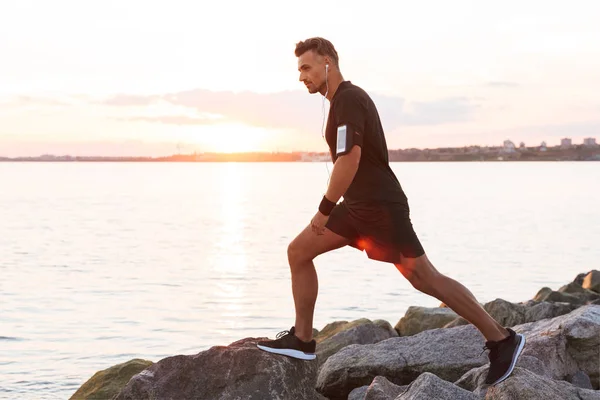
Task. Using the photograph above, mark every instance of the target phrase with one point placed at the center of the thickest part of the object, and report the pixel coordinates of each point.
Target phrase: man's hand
(318, 223)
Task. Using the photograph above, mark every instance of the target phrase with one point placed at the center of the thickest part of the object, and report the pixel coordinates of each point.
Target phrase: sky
(158, 78)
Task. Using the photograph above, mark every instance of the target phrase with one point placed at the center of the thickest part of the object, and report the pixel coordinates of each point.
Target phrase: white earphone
(323, 123)
(326, 83)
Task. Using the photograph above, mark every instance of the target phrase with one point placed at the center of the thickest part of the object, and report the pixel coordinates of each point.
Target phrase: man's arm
(344, 169)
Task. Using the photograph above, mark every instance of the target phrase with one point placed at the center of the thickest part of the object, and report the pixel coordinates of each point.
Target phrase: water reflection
(229, 259)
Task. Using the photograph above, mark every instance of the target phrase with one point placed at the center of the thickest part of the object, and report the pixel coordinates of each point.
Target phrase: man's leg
(421, 273)
(298, 342)
(301, 252)
(505, 345)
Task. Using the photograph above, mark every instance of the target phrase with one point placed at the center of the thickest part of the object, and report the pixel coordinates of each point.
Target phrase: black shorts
(384, 231)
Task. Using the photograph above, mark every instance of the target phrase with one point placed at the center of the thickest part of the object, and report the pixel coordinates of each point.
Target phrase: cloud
(456, 109)
(17, 147)
(175, 119)
(129, 100)
(26, 100)
(573, 129)
(503, 84)
(294, 109)
(287, 109)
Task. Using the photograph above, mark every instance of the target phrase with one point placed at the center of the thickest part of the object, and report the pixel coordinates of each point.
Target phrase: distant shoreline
(274, 161)
(455, 154)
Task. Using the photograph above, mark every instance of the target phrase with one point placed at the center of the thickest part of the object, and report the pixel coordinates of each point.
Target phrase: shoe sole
(516, 355)
(289, 352)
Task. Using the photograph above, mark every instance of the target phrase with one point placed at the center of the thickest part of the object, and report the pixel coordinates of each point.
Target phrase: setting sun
(233, 139)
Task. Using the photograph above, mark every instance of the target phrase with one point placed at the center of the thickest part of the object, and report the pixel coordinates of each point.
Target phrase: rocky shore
(430, 353)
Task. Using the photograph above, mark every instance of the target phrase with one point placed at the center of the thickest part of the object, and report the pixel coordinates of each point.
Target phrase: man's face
(312, 71)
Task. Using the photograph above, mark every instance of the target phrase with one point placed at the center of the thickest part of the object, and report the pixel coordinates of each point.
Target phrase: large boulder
(547, 294)
(579, 278)
(577, 290)
(567, 344)
(359, 393)
(338, 335)
(336, 327)
(239, 371)
(379, 389)
(592, 281)
(428, 386)
(511, 314)
(386, 325)
(474, 380)
(581, 379)
(447, 353)
(556, 348)
(107, 383)
(564, 348)
(331, 329)
(537, 311)
(419, 319)
(526, 385)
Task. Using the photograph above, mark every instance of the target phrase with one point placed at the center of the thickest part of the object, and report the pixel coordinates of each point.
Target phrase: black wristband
(326, 206)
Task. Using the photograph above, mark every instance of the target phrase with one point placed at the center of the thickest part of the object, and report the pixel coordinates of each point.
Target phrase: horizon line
(291, 152)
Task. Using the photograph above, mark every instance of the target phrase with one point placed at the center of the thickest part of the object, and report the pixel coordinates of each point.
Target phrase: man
(373, 217)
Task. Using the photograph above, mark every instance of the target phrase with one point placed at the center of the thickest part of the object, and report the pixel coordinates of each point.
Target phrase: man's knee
(420, 273)
(297, 254)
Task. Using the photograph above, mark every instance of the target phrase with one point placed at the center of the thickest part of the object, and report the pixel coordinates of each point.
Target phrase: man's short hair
(320, 45)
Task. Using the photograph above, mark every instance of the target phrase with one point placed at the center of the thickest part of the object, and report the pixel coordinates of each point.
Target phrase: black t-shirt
(353, 119)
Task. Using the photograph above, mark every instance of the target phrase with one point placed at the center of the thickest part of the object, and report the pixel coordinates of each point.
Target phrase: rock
(239, 371)
(556, 348)
(419, 319)
(382, 389)
(510, 314)
(359, 393)
(596, 302)
(361, 331)
(387, 326)
(572, 288)
(506, 313)
(579, 278)
(107, 383)
(460, 321)
(537, 311)
(592, 281)
(330, 329)
(448, 353)
(526, 385)
(428, 386)
(379, 389)
(581, 379)
(575, 289)
(559, 297)
(474, 380)
(545, 291)
(566, 344)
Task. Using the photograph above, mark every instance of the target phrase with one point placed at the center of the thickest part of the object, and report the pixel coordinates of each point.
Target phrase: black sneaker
(503, 356)
(289, 345)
